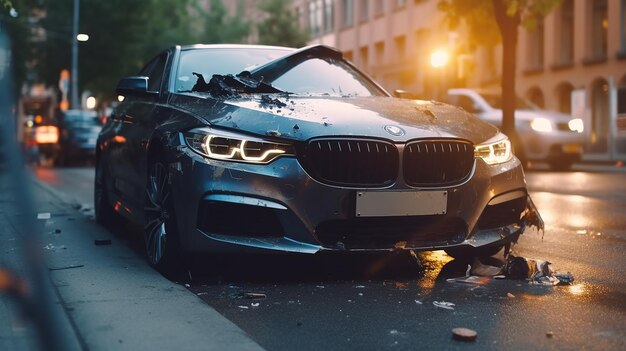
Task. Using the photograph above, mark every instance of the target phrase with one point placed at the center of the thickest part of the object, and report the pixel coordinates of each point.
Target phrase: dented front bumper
(233, 207)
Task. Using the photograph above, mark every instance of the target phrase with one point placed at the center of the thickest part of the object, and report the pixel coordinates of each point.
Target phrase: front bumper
(230, 207)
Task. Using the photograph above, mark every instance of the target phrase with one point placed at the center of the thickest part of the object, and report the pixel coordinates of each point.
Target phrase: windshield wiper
(226, 86)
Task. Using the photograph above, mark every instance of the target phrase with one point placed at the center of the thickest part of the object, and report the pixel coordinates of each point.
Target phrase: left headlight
(228, 146)
(495, 150)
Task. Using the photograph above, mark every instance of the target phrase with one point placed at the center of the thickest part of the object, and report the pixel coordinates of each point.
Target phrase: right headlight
(495, 150)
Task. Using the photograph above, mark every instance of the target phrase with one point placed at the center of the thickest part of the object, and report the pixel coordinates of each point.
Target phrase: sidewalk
(108, 296)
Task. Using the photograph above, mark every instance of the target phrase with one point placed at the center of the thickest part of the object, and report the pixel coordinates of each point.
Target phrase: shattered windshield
(219, 61)
(317, 76)
(226, 73)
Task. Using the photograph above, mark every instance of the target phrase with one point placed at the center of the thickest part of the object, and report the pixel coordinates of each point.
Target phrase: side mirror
(134, 85)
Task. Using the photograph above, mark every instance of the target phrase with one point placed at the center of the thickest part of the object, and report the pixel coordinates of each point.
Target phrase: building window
(564, 96)
(599, 29)
(320, 17)
(348, 56)
(535, 47)
(379, 7)
(314, 17)
(565, 55)
(364, 10)
(348, 12)
(535, 95)
(364, 58)
(400, 43)
(329, 17)
(379, 50)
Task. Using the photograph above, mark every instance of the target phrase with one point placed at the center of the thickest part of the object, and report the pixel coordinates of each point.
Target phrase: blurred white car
(549, 136)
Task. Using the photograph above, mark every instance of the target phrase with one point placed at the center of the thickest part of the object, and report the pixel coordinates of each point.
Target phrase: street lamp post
(74, 76)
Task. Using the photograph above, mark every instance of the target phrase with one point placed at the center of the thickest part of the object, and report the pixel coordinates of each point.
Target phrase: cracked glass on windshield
(313, 76)
(325, 77)
(220, 61)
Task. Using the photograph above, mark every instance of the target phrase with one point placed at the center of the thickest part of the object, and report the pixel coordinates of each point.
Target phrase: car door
(135, 127)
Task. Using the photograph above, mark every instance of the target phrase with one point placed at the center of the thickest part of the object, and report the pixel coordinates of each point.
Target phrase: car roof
(235, 46)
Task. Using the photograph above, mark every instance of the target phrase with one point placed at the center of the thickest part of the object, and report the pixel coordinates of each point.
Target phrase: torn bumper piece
(230, 207)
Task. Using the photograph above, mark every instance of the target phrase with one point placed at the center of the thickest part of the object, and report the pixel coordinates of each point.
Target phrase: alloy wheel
(157, 211)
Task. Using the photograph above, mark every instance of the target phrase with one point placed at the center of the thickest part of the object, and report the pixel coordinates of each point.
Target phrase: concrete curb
(114, 300)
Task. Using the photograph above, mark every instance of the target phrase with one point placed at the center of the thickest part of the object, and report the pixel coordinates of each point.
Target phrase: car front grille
(351, 162)
(441, 162)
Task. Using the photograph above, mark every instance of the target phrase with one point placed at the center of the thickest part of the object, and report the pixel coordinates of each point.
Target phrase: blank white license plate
(400, 203)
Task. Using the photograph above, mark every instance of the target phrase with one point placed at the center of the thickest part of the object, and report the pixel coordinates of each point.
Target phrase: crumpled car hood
(302, 118)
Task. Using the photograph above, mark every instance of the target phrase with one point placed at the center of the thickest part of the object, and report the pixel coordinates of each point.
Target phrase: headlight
(576, 125)
(228, 146)
(541, 124)
(495, 150)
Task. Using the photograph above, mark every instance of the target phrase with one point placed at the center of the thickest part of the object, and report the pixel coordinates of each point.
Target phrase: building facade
(573, 61)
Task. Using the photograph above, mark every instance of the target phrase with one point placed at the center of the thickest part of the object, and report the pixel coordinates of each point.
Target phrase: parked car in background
(549, 136)
(78, 132)
(240, 149)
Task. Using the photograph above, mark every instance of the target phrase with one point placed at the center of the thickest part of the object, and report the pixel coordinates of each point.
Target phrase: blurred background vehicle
(78, 131)
(548, 136)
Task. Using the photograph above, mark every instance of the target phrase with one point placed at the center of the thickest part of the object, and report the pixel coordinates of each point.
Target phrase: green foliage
(280, 25)
(123, 36)
(218, 27)
(478, 16)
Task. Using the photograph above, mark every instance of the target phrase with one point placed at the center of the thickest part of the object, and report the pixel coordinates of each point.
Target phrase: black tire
(161, 238)
(468, 253)
(105, 214)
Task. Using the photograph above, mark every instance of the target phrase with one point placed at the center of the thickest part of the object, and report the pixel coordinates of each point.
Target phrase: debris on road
(464, 334)
(243, 307)
(549, 334)
(101, 242)
(43, 215)
(419, 302)
(250, 295)
(255, 304)
(398, 285)
(510, 295)
(444, 304)
(516, 267)
(536, 271)
(67, 267)
(54, 248)
(57, 231)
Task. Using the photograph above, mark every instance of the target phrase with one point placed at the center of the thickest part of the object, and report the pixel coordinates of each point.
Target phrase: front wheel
(160, 231)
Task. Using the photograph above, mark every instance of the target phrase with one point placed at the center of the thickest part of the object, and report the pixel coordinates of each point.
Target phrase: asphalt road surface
(389, 301)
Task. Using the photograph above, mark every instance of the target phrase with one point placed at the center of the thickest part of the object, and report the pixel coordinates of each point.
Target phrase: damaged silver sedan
(237, 148)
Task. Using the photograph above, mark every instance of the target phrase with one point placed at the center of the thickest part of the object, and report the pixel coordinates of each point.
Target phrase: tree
(483, 18)
(123, 36)
(219, 27)
(280, 26)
